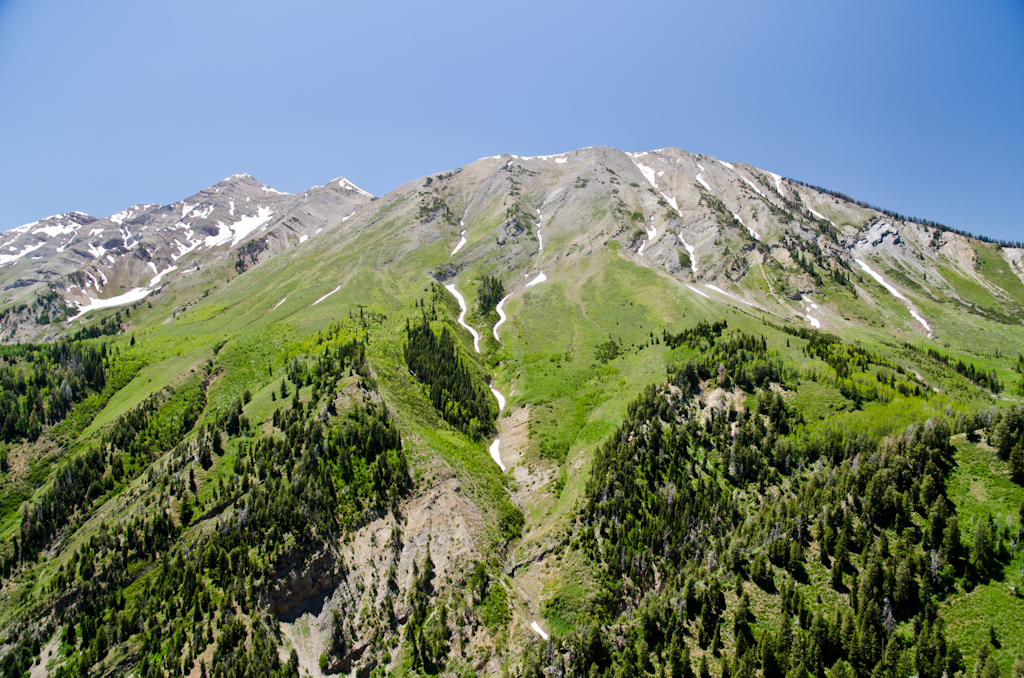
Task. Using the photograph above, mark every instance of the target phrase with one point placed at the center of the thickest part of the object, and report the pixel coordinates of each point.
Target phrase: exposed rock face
(298, 592)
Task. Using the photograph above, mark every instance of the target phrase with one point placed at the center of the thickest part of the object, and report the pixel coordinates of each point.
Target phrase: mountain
(74, 262)
(598, 413)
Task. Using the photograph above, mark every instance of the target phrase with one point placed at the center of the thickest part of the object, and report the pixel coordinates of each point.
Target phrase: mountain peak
(349, 186)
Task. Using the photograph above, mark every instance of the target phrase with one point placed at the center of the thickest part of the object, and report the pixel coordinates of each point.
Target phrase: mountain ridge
(724, 430)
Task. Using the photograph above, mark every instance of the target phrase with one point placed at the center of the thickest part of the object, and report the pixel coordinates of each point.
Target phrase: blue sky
(914, 106)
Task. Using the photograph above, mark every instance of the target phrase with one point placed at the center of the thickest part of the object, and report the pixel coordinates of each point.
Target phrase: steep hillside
(597, 413)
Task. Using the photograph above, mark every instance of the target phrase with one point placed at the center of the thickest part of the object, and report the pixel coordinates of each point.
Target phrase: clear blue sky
(914, 106)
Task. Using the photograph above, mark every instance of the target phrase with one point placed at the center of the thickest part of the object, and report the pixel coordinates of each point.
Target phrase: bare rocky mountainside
(590, 414)
(64, 265)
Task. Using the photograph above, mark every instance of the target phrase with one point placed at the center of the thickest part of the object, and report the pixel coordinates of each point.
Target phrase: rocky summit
(590, 414)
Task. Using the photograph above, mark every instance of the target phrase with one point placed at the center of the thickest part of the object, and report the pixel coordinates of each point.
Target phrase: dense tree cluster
(686, 501)
(141, 583)
(740, 360)
(983, 378)
(491, 292)
(109, 326)
(1006, 434)
(39, 384)
(464, 402)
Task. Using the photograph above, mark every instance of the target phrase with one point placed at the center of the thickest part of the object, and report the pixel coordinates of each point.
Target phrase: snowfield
(127, 298)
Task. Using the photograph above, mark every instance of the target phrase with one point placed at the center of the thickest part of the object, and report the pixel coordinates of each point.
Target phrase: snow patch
(279, 303)
(721, 291)
(127, 298)
(642, 246)
(496, 454)
(561, 161)
(500, 398)
(896, 293)
(646, 171)
(814, 321)
(247, 225)
(778, 184)
(183, 248)
(751, 184)
(56, 229)
(349, 186)
(462, 242)
(501, 316)
(819, 215)
(303, 238)
(160, 276)
(698, 291)
(539, 157)
(754, 233)
(5, 258)
(462, 316)
(539, 279)
(703, 183)
(690, 250)
(96, 251)
(726, 164)
(118, 218)
(323, 297)
(538, 630)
